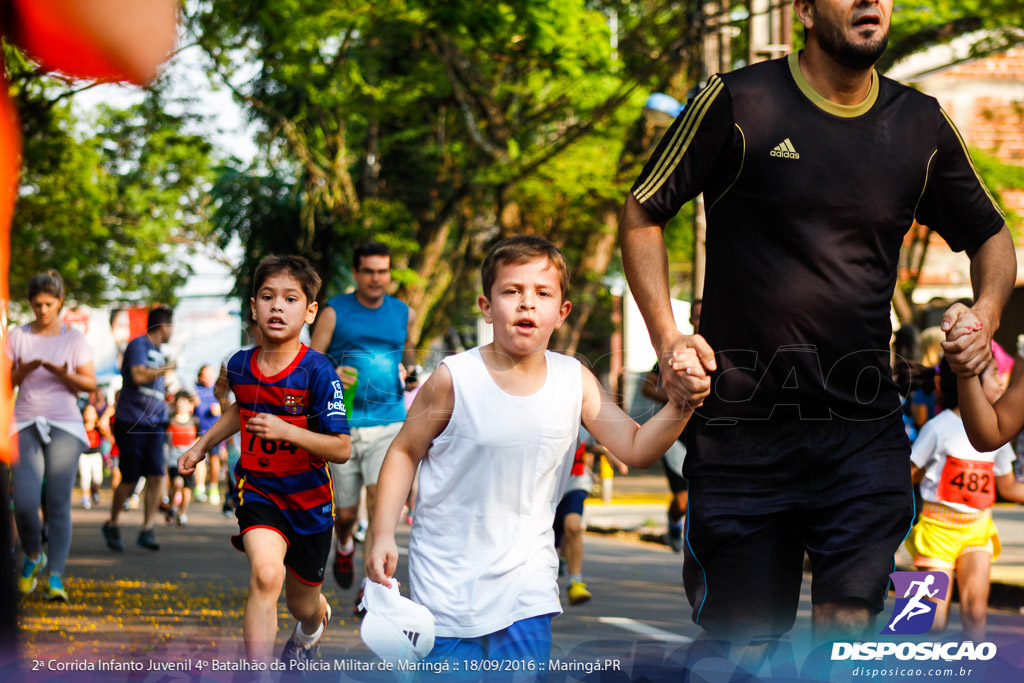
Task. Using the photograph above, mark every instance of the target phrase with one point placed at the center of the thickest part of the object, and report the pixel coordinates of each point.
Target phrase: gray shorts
(369, 445)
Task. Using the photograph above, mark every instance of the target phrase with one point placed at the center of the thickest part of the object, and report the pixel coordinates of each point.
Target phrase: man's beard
(835, 44)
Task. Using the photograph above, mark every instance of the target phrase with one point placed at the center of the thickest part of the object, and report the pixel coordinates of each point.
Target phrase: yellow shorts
(942, 535)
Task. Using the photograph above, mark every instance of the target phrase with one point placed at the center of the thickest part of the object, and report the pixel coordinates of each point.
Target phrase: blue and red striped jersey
(308, 394)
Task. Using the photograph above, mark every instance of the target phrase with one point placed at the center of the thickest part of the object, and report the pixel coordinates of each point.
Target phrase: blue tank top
(371, 340)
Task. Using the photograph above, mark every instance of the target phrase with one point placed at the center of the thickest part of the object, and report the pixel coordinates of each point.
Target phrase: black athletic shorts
(763, 494)
(188, 480)
(141, 449)
(307, 554)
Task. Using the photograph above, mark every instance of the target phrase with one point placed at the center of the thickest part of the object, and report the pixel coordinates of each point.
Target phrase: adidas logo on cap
(784, 150)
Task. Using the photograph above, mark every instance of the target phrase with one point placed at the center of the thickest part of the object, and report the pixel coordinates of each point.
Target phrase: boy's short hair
(184, 396)
(369, 249)
(523, 249)
(296, 266)
(161, 315)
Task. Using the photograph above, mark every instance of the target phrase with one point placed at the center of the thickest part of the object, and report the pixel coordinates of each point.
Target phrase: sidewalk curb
(1002, 595)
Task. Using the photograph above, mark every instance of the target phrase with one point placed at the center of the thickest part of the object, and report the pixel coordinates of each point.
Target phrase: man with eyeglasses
(366, 334)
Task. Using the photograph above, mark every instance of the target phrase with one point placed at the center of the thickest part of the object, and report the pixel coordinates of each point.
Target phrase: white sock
(578, 578)
(307, 640)
(348, 547)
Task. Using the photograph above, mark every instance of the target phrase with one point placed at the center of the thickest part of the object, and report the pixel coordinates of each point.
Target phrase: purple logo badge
(916, 596)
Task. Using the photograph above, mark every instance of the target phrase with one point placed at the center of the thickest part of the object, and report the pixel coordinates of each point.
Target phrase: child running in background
(494, 430)
(291, 415)
(955, 532)
(90, 462)
(568, 524)
(181, 436)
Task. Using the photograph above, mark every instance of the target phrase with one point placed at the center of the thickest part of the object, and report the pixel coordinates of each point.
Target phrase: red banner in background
(137, 318)
(77, 319)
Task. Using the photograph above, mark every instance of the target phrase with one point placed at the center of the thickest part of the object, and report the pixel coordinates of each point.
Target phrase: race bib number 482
(968, 482)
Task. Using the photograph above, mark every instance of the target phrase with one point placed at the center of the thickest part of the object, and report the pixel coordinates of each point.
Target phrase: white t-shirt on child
(942, 436)
(481, 553)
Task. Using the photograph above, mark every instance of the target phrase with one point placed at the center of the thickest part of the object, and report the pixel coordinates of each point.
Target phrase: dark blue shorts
(571, 504)
(141, 450)
(761, 495)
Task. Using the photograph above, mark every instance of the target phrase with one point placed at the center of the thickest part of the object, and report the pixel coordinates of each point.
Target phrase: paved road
(184, 604)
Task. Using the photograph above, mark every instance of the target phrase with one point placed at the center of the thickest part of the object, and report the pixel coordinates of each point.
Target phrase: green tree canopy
(437, 126)
(106, 202)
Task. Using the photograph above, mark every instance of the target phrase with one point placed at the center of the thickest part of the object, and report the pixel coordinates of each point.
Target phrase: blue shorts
(502, 655)
(141, 450)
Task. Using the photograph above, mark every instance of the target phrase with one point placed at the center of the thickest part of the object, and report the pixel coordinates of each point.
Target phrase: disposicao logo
(914, 612)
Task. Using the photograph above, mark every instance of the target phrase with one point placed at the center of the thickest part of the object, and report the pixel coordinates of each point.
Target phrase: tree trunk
(587, 277)
(427, 263)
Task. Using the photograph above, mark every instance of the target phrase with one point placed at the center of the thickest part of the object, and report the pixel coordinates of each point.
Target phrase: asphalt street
(184, 603)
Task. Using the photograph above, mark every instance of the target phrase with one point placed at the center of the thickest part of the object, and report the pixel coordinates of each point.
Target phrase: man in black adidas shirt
(813, 168)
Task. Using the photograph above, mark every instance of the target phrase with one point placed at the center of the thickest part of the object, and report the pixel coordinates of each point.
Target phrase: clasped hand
(690, 360)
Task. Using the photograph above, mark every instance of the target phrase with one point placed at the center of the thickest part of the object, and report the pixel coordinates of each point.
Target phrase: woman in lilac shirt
(51, 365)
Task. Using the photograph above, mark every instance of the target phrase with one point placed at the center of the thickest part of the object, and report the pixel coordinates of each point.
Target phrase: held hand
(187, 462)
(678, 389)
(968, 345)
(686, 365)
(959, 321)
(269, 427)
(381, 559)
(347, 375)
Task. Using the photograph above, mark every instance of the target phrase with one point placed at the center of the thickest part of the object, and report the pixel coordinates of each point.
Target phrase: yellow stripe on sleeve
(970, 161)
(681, 139)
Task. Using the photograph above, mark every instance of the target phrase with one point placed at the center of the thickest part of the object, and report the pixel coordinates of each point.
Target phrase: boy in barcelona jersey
(292, 419)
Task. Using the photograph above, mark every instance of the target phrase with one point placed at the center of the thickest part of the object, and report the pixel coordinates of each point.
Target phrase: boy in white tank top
(494, 430)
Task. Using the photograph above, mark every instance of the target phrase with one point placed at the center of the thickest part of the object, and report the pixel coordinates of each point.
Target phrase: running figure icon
(914, 606)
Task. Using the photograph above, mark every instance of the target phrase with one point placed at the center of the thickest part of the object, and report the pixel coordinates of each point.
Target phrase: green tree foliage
(107, 202)
(1000, 177)
(921, 24)
(439, 127)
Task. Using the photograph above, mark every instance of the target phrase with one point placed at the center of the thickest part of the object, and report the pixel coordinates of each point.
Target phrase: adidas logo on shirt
(784, 150)
(412, 636)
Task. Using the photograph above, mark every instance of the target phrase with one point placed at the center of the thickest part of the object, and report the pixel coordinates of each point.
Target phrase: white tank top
(481, 553)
